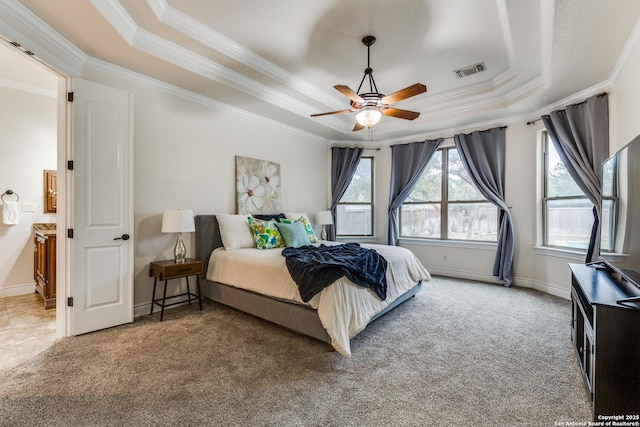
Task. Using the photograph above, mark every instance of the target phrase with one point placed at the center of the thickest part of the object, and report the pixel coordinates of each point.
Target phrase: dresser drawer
(165, 270)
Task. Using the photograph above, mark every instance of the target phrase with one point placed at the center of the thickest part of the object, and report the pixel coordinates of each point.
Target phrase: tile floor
(26, 329)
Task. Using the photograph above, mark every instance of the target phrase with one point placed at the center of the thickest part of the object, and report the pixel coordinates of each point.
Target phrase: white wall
(624, 104)
(185, 158)
(28, 143)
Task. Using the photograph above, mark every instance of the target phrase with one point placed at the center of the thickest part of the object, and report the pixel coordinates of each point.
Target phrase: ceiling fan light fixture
(368, 116)
(371, 105)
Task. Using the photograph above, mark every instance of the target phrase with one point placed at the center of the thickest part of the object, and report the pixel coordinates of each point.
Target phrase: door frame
(64, 211)
(64, 217)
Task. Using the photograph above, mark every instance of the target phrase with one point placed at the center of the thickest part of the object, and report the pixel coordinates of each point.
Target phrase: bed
(243, 288)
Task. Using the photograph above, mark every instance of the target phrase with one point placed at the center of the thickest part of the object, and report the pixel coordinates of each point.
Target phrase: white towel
(10, 212)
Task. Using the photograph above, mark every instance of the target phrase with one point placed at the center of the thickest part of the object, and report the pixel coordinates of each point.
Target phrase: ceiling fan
(371, 106)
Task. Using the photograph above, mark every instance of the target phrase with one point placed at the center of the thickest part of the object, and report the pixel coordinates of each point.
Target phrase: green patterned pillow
(307, 227)
(265, 233)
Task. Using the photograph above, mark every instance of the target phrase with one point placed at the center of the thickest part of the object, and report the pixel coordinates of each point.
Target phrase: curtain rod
(351, 146)
(451, 137)
(600, 95)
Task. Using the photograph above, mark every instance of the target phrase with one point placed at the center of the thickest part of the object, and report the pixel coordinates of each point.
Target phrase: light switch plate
(28, 207)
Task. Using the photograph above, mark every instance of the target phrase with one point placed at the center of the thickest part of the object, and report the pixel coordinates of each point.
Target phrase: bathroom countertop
(44, 228)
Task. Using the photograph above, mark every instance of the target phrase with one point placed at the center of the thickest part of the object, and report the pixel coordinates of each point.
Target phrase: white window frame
(444, 207)
(371, 203)
(545, 199)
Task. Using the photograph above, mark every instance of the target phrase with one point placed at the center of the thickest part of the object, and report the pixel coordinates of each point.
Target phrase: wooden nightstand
(166, 270)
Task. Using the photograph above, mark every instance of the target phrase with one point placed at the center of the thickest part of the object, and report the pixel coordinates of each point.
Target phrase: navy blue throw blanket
(314, 268)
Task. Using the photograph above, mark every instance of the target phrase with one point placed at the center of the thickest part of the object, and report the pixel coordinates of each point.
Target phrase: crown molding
(118, 17)
(630, 48)
(48, 45)
(144, 80)
(154, 45)
(194, 29)
(159, 47)
(72, 61)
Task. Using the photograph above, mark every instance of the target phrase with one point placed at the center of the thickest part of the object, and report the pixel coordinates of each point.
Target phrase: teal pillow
(307, 226)
(294, 234)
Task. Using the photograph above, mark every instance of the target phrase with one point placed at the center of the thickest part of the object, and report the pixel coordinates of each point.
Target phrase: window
(354, 213)
(567, 212)
(610, 197)
(445, 204)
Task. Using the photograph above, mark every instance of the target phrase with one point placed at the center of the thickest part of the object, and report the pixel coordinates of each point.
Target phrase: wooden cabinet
(606, 336)
(44, 268)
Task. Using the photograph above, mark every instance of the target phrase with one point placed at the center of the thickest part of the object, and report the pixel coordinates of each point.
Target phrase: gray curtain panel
(408, 161)
(580, 134)
(483, 155)
(344, 163)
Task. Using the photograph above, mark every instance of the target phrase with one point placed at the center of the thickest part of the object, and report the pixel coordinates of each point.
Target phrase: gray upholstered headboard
(207, 237)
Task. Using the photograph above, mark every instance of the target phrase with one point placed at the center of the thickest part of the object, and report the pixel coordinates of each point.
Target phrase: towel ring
(10, 193)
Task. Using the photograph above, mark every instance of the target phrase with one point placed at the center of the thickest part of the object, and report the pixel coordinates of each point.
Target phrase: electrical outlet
(28, 207)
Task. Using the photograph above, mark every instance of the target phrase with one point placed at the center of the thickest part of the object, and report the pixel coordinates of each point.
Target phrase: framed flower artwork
(257, 186)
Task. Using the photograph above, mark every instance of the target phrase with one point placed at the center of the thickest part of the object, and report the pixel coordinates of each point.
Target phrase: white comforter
(344, 308)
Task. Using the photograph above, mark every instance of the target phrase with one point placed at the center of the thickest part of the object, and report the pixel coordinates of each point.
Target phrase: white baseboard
(466, 275)
(517, 281)
(547, 288)
(145, 308)
(13, 291)
(141, 310)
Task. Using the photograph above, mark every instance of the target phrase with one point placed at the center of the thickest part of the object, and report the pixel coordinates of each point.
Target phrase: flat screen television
(621, 203)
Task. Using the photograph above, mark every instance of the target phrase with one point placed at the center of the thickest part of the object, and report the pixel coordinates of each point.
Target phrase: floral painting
(257, 186)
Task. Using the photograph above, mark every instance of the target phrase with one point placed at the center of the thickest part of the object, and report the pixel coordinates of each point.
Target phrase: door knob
(123, 237)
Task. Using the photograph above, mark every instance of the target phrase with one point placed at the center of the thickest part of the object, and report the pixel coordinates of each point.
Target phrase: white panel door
(102, 208)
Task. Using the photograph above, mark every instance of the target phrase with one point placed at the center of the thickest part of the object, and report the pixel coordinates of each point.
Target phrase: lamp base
(180, 251)
(323, 233)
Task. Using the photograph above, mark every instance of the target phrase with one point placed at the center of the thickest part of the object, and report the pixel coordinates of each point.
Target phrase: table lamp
(324, 218)
(178, 221)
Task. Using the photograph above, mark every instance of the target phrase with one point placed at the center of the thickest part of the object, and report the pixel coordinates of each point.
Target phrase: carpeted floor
(459, 354)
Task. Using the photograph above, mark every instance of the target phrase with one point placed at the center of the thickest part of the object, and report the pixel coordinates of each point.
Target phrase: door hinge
(70, 302)
(70, 165)
(70, 233)
(70, 96)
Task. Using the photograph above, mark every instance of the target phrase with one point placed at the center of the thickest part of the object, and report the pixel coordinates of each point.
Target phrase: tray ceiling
(281, 58)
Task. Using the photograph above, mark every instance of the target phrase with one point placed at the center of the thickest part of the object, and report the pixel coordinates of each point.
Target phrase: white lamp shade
(178, 221)
(368, 116)
(324, 217)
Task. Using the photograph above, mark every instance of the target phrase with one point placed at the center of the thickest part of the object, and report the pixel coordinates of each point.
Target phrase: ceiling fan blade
(331, 112)
(405, 93)
(346, 91)
(400, 114)
(358, 127)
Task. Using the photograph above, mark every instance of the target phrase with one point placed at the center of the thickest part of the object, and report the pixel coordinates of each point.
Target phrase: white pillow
(235, 231)
(294, 216)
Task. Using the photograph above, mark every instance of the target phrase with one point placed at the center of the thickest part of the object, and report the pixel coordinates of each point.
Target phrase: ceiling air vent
(472, 69)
